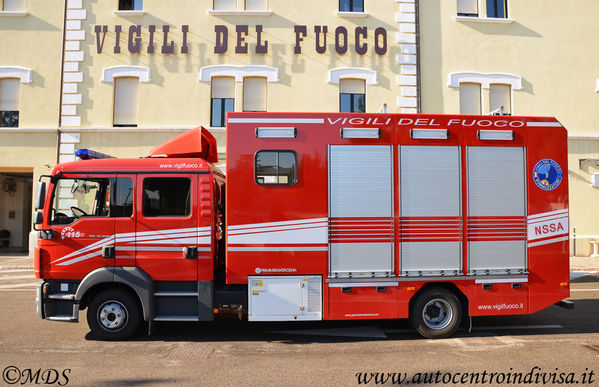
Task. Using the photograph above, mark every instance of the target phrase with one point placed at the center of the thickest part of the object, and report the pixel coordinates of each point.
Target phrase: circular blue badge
(547, 174)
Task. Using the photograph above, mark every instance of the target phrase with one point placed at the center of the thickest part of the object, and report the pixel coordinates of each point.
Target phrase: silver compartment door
(496, 210)
(360, 210)
(430, 210)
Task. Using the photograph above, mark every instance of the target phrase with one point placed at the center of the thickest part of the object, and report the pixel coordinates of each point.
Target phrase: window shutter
(499, 95)
(225, 5)
(254, 94)
(352, 86)
(9, 94)
(470, 98)
(223, 87)
(469, 7)
(256, 5)
(126, 90)
(13, 5)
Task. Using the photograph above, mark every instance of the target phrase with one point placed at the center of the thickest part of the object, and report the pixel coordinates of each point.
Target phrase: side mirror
(38, 218)
(40, 196)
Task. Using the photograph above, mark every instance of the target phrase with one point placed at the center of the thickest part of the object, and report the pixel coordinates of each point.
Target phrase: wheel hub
(437, 314)
(112, 315)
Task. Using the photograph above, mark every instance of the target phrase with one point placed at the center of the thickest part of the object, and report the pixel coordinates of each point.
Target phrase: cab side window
(166, 196)
(122, 200)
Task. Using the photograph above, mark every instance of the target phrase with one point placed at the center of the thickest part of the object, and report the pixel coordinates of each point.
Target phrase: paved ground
(553, 346)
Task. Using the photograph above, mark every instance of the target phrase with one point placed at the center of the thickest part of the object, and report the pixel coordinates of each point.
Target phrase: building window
(166, 196)
(223, 100)
(254, 94)
(468, 8)
(248, 5)
(126, 91)
(13, 5)
(276, 168)
(130, 5)
(256, 5)
(470, 98)
(351, 5)
(9, 102)
(352, 95)
(500, 99)
(497, 8)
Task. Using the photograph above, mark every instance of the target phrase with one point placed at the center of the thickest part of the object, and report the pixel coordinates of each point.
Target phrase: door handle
(191, 252)
(108, 252)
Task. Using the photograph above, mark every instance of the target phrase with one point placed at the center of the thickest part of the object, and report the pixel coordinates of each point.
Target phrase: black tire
(113, 314)
(436, 313)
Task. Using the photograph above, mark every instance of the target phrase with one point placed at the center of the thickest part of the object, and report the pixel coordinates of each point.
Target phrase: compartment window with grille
(351, 5)
(9, 102)
(223, 100)
(276, 168)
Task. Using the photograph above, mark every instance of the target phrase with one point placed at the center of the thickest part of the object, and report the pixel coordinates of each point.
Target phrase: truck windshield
(76, 198)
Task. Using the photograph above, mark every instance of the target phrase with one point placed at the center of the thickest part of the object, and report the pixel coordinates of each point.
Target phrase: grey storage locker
(430, 210)
(496, 210)
(361, 210)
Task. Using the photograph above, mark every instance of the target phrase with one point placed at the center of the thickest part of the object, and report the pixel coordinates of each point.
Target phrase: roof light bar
(502, 135)
(276, 132)
(430, 134)
(360, 133)
(86, 154)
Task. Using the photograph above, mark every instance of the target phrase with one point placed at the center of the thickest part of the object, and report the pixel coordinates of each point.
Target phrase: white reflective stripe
(82, 258)
(277, 248)
(541, 220)
(93, 246)
(361, 284)
(157, 248)
(500, 280)
(279, 228)
(276, 120)
(548, 241)
(302, 236)
(549, 124)
(276, 224)
(546, 214)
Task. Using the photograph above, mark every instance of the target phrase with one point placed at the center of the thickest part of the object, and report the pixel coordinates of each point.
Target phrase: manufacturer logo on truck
(547, 174)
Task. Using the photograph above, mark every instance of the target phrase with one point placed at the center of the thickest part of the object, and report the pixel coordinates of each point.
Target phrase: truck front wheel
(113, 314)
(436, 313)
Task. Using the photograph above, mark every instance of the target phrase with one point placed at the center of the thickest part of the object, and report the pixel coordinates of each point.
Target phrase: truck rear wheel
(113, 314)
(436, 313)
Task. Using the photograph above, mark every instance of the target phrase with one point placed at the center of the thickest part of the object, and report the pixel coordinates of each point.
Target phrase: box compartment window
(276, 168)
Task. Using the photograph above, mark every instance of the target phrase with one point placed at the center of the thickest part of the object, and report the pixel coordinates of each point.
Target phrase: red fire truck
(321, 216)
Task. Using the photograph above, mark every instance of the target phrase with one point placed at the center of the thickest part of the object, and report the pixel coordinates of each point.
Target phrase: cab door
(82, 226)
(167, 232)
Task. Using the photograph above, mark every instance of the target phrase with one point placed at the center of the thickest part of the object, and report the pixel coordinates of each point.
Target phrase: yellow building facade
(533, 58)
(121, 76)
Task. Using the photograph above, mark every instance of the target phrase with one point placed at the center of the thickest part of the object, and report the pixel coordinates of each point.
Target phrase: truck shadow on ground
(228, 328)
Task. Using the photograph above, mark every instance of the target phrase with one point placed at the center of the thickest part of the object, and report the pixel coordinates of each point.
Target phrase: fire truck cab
(321, 216)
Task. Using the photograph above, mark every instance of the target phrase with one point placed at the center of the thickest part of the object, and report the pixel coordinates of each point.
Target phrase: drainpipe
(64, 32)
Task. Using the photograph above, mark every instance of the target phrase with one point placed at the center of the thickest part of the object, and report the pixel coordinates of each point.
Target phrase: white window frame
(482, 15)
(128, 12)
(21, 12)
(486, 80)
(240, 9)
(239, 72)
(110, 73)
